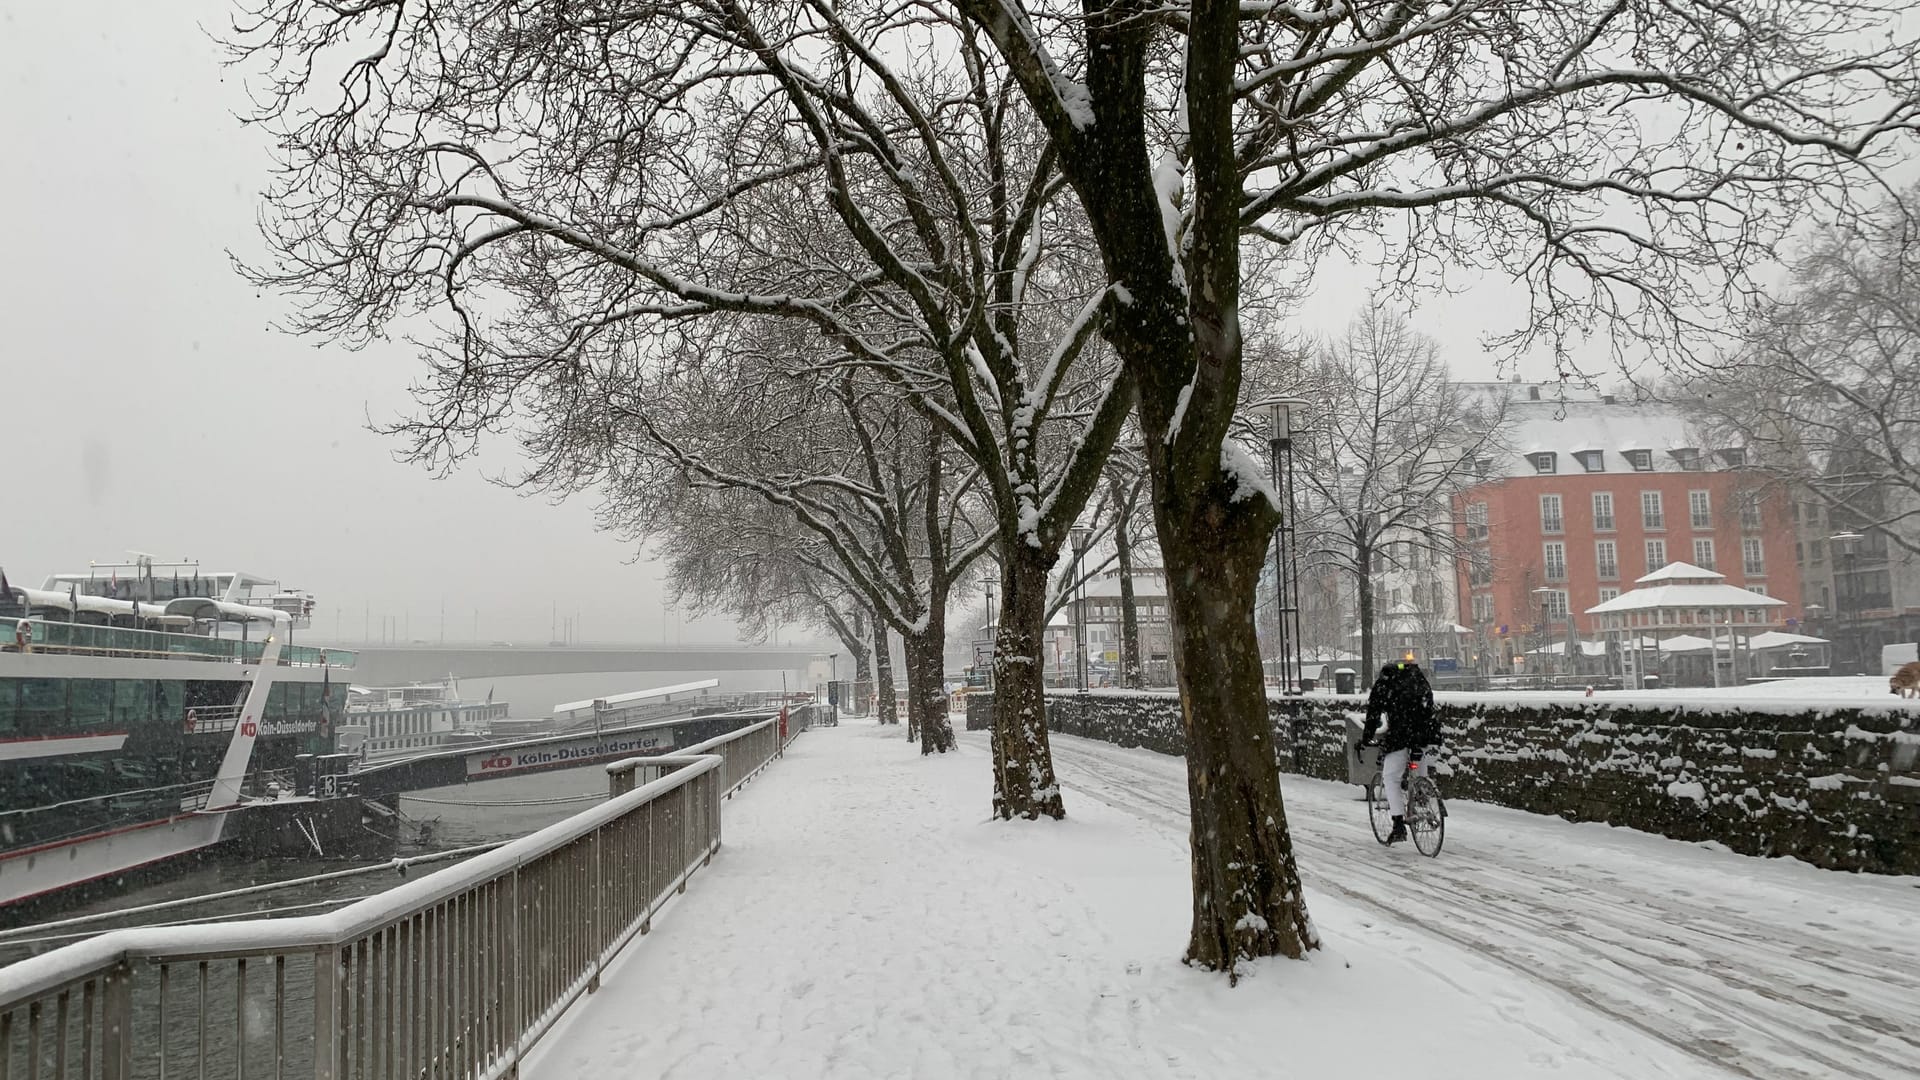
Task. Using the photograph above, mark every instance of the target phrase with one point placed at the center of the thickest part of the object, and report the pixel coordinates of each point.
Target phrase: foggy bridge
(393, 665)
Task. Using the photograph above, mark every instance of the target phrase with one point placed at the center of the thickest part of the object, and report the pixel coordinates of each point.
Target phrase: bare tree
(1629, 166)
(1825, 393)
(1393, 441)
(744, 557)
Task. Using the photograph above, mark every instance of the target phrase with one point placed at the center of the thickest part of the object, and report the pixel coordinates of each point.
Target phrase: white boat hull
(51, 868)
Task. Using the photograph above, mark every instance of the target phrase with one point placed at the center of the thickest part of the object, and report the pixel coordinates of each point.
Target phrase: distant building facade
(1589, 494)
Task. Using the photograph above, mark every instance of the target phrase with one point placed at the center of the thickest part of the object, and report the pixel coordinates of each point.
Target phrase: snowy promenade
(864, 920)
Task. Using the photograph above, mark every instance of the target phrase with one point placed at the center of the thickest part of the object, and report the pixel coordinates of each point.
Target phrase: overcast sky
(149, 406)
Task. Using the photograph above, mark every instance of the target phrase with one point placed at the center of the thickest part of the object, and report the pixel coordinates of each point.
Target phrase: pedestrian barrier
(454, 975)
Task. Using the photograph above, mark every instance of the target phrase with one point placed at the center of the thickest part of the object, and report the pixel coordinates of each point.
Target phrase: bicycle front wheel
(1378, 812)
(1426, 816)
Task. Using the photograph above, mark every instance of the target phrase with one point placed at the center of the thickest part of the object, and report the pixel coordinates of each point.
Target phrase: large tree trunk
(1363, 589)
(1247, 900)
(1130, 674)
(927, 652)
(1023, 781)
(862, 666)
(916, 684)
(883, 674)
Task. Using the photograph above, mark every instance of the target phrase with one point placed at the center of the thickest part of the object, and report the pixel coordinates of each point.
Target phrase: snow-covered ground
(865, 919)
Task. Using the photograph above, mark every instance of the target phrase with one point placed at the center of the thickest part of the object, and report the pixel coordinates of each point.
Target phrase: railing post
(328, 1013)
(599, 905)
(116, 1025)
(619, 783)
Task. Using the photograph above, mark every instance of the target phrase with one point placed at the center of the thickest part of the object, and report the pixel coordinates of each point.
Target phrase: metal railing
(86, 639)
(455, 975)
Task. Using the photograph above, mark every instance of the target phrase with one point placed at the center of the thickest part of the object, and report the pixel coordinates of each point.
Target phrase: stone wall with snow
(1836, 786)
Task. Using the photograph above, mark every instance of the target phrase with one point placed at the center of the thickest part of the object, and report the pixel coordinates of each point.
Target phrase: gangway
(469, 764)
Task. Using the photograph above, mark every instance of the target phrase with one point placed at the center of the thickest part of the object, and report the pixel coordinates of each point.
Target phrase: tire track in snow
(1722, 980)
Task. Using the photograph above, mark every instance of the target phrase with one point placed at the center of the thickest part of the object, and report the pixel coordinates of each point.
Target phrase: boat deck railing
(86, 639)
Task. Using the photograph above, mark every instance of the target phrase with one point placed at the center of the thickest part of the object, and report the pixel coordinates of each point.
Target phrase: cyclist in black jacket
(1404, 700)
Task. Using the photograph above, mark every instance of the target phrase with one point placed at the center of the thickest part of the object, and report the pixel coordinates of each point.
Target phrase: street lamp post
(1846, 545)
(833, 687)
(1544, 595)
(993, 631)
(1286, 562)
(1081, 536)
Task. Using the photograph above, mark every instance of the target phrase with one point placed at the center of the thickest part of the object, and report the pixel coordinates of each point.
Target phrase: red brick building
(1594, 494)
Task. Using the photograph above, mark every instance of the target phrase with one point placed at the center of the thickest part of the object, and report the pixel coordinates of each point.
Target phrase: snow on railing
(455, 974)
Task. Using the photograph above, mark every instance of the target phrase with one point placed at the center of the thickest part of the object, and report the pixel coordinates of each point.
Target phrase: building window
(1703, 554)
(1641, 460)
(1592, 460)
(1603, 511)
(1688, 460)
(1606, 557)
(1557, 604)
(1542, 463)
(1733, 459)
(1819, 551)
(1556, 555)
(1750, 513)
(1480, 569)
(1758, 590)
(1476, 521)
(1656, 555)
(1653, 514)
(1482, 468)
(1551, 520)
(1753, 556)
(1700, 509)
(1609, 594)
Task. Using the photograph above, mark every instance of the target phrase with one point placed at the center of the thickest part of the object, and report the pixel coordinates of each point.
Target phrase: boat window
(132, 702)
(9, 708)
(92, 704)
(43, 706)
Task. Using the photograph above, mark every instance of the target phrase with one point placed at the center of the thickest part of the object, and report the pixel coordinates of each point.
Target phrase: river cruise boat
(141, 703)
(416, 718)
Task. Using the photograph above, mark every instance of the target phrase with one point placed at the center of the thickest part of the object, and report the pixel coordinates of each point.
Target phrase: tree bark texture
(929, 654)
(886, 706)
(916, 688)
(1024, 784)
(1247, 900)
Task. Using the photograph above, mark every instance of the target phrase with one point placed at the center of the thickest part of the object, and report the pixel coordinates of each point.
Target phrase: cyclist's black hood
(1404, 699)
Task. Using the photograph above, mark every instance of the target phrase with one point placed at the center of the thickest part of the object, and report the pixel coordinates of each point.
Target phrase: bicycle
(1426, 815)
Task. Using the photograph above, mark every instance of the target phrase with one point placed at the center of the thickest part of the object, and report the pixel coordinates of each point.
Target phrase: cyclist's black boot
(1399, 832)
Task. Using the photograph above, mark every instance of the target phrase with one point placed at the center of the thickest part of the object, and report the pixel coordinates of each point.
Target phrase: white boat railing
(454, 975)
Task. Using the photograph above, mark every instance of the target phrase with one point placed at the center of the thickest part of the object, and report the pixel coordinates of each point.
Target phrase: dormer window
(1641, 460)
(1591, 460)
(1482, 468)
(1687, 459)
(1542, 463)
(1733, 459)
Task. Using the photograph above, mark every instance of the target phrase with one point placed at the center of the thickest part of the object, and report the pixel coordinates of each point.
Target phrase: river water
(456, 817)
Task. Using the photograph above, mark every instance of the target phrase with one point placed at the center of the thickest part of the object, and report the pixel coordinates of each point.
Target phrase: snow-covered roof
(1680, 572)
(1587, 648)
(1775, 639)
(1571, 426)
(199, 607)
(616, 700)
(1718, 597)
(1680, 643)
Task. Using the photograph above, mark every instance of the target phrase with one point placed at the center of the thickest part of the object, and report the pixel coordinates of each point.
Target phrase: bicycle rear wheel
(1426, 815)
(1378, 813)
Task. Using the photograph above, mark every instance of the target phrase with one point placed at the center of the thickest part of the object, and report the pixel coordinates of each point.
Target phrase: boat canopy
(199, 607)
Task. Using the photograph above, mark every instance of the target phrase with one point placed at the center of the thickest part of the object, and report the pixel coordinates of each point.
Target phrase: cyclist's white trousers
(1393, 765)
